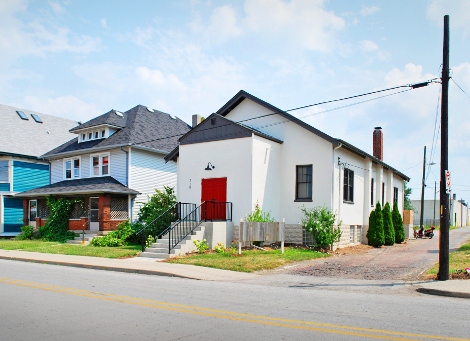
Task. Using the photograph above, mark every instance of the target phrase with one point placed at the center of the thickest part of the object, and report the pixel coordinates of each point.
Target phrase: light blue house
(25, 136)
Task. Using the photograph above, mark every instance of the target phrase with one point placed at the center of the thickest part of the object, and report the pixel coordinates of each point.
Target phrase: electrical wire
(435, 136)
(460, 87)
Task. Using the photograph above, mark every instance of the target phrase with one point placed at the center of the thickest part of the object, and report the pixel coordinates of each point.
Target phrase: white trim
(100, 164)
(96, 134)
(8, 171)
(29, 209)
(64, 170)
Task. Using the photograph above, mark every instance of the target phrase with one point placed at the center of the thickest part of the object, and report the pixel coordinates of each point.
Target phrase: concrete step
(154, 255)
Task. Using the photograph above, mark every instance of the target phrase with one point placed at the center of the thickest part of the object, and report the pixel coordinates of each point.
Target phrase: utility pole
(422, 192)
(444, 198)
(434, 216)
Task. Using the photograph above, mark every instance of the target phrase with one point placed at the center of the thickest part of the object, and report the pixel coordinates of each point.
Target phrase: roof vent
(119, 114)
(173, 117)
(22, 115)
(150, 109)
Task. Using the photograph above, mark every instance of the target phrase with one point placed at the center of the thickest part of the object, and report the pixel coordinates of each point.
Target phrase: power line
(460, 88)
(435, 137)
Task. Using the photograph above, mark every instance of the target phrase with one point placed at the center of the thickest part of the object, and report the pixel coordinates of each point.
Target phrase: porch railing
(173, 214)
(207, 211)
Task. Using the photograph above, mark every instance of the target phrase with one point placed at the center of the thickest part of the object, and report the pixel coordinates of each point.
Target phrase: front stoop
(159, 249)
(84, 239)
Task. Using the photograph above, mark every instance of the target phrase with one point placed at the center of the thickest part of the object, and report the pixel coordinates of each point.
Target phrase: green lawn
(68, 249)
(458, 260)
(249, 260)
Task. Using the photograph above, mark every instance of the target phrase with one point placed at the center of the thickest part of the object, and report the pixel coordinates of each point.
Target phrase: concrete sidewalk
(454, 288)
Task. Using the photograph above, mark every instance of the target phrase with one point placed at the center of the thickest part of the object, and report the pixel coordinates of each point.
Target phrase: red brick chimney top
(378, 143)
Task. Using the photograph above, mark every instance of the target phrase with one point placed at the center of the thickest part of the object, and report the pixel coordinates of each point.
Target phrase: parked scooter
(422, 233)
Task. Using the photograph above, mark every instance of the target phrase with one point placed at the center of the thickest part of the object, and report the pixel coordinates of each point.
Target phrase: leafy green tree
(407, 191)
(375, 234)
(389, 231)
(157, 204)
(398, 225)
(320, 222)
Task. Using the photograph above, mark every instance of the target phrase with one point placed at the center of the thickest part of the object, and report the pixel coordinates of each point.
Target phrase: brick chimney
(378, 143)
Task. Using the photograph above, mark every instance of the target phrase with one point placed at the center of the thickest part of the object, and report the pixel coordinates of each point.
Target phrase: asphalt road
(47, 302)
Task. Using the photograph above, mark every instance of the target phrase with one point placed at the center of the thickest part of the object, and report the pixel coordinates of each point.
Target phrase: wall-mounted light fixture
(209, 166)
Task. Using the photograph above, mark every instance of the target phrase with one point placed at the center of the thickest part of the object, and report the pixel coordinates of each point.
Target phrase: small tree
(320, 222)
(157, 204)
(398, 225)
(57, 226)
(407, 192)
(389, 231)
(375, 234)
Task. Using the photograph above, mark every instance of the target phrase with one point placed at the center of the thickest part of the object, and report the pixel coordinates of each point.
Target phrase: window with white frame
(33, 209)
(4, 171)
(100, 165)
(72, 168)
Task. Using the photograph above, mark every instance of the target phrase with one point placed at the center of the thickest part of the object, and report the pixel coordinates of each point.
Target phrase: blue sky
(79, 59)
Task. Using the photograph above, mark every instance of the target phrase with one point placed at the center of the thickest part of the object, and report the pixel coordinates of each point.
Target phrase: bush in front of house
(117, 237)
(375, 233)
(27, 232)
(389, 231)
(398, 225)
(258, 216)
(56, 229)
(320, 222)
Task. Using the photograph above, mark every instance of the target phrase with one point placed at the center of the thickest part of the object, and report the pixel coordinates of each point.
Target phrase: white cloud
(158, 79)
(305, 22)
(65, 106)
(104, 24)
(222, 26)
(57, 7)
(38, 37)
(366, 11)
(368, 47)
(458, 11)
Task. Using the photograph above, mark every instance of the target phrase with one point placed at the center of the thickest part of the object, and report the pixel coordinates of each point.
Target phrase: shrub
(398, 225)
(27, 232)
(320, 221)
(115, 238)
(157, 204)
(201, 245)
(258, 216)
(57, 226)
(389, 231)
(375, 234)
(219, 248)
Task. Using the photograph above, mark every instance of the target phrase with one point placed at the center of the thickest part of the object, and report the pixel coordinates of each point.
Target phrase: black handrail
(175, 212)
(207, 211)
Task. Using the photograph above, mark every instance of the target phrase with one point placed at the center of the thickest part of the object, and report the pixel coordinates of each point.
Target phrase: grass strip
(249, 260)
(68, 249)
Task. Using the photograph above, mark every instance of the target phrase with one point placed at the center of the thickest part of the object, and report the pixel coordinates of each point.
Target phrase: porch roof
(95, 185)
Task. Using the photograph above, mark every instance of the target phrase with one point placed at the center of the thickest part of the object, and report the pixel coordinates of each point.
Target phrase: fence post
(282, 234)
(240, 236)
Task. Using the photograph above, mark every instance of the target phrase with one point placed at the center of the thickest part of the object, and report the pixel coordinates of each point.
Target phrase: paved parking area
(398, 262)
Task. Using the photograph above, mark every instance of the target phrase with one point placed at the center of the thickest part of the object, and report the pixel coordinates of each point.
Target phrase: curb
(445, 293)
(97, 267)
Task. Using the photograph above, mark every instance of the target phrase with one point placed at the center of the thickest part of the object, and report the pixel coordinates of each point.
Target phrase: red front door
(214, 196)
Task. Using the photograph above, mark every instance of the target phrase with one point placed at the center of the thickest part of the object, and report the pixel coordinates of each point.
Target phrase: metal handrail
(207, 211)
(178, 209)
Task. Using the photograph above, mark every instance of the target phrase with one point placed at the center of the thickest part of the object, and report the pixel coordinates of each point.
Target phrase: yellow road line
(234, 316)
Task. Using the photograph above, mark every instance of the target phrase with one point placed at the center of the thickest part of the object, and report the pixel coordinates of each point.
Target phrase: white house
(115, 162)
(250, 152)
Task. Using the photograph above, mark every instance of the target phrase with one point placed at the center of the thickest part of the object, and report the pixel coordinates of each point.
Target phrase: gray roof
(29, 138)
(95, 185)
(139, 127)
(217, 128)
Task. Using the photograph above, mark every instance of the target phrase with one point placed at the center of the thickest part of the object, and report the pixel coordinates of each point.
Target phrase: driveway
(398, 262)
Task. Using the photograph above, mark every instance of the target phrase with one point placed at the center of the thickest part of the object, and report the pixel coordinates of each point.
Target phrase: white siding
(57, 171)
(148, 172)
(118, 165)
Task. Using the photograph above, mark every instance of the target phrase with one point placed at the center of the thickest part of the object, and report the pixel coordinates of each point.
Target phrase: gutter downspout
(333, 183)
(129, 197)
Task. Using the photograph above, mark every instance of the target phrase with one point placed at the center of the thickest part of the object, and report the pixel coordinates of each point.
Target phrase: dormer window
(90, 135)
(96, 134)
(83, 137)
(103, 133)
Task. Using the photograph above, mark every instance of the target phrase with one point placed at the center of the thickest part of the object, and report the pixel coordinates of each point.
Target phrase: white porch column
(378, 188)
(367, 190)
